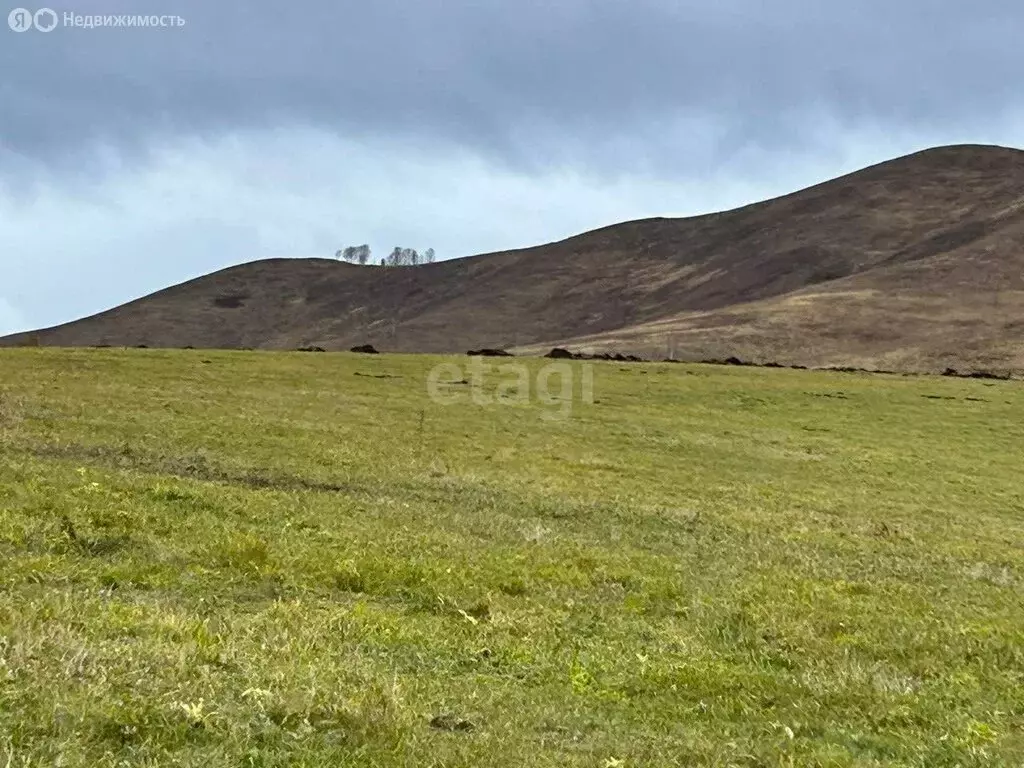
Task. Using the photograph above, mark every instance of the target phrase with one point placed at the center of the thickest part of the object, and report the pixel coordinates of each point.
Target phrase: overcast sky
(134, 158)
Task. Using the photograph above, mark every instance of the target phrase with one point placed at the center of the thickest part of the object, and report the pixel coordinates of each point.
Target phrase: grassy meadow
(286, 559)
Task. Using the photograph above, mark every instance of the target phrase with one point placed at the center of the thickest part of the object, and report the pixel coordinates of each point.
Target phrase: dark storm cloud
(523, 81)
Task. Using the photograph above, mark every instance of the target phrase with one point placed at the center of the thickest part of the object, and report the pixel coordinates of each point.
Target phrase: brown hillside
(915, 263)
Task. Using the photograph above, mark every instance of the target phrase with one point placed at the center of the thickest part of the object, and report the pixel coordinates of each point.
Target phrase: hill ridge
(894, 266)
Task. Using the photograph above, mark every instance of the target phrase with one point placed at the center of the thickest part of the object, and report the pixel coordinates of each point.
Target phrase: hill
(915, 263)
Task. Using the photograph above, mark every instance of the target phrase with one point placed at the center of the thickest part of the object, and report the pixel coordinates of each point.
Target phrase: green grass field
(284, 559)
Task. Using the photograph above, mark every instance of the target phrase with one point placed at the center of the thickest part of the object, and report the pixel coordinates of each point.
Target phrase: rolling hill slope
(915, 263)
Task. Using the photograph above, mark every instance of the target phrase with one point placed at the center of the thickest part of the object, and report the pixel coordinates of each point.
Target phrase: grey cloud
(527, 82)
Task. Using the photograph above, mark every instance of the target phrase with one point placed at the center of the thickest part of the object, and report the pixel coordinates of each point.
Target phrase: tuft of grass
(268, 560)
